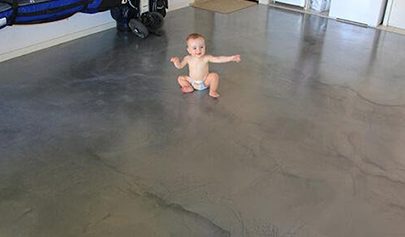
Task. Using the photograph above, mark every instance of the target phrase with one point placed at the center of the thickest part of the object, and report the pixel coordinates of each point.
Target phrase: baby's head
(195, 45)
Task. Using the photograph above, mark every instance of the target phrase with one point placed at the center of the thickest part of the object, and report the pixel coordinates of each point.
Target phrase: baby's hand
(175, 60)
(236, 58)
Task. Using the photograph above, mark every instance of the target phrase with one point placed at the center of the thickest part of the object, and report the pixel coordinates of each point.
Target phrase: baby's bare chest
(198, 65)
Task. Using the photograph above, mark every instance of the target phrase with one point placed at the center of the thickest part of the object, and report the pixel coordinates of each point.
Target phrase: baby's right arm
(177, 63)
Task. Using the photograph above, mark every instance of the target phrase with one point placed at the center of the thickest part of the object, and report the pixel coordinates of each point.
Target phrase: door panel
(368, 12)
(397, 16)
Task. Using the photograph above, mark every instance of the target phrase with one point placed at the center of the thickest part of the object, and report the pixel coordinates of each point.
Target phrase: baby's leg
(184, 84)
(212, 82)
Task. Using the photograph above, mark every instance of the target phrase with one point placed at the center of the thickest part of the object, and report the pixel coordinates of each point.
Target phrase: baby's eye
(194, 48)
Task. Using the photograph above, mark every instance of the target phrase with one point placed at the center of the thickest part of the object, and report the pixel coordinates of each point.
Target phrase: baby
(199, 76)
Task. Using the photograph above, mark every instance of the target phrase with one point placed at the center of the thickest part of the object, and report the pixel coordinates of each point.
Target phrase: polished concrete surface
(307, 138)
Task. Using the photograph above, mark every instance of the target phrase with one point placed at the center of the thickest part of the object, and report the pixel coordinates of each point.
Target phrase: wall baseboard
(55, 41)
(174, 5)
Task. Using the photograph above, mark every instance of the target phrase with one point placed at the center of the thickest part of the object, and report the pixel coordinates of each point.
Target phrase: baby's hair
(194, 36)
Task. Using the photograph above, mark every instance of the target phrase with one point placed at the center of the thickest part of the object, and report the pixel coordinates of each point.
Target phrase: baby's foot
(214, 94)
(187, 89)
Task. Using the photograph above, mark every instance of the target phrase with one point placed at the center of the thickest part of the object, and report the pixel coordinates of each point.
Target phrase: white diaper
(198, 85)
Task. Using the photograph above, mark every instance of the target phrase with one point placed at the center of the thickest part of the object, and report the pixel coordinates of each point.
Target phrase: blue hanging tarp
(40, 11)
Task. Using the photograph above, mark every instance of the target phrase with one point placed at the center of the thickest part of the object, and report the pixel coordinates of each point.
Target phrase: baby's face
(196, 47)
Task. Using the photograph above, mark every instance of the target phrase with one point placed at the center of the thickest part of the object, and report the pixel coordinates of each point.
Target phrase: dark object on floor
(140, 16)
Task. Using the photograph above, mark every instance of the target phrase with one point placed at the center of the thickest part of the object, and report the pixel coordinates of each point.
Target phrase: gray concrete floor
(307, 139)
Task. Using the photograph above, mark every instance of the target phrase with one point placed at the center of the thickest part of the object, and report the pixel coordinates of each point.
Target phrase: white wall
(18, 40)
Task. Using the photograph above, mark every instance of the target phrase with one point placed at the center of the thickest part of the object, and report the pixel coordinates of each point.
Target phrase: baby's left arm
(224, 59)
